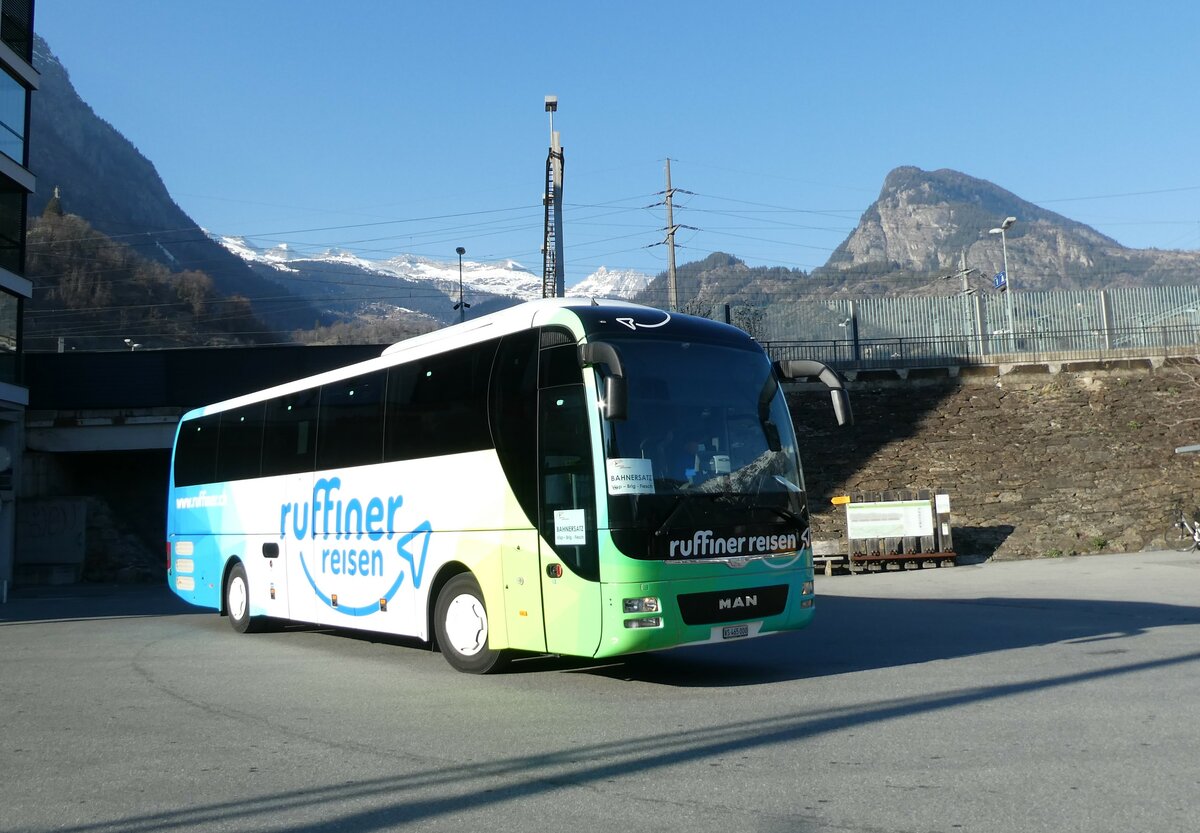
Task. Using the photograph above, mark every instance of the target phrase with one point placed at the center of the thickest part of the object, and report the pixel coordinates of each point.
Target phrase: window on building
(10, 317)
(16, 26)
(12, 227)
(12, 118)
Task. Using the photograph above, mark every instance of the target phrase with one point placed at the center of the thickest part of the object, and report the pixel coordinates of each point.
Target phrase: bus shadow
(855, 634)
(859, 634)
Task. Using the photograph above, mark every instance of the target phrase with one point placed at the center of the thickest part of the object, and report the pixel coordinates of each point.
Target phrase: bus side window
(438, 405)
(196, 451)
(239, 450)
(289, 440)
(350, 432)
(559, 363)
(513, 416)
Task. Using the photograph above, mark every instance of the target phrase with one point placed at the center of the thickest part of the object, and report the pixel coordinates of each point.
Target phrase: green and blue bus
(574, 477)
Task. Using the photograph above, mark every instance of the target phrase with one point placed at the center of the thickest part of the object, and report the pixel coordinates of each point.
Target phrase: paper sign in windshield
(630, 476)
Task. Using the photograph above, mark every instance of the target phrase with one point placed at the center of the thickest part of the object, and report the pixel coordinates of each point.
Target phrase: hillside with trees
(95, 294)
(107, 181)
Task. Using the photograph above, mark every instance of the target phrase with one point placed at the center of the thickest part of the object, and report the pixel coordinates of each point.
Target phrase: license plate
(735, 631)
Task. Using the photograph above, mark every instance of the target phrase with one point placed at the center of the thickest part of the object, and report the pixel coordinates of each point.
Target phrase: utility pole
(963, 272)
(672, 285)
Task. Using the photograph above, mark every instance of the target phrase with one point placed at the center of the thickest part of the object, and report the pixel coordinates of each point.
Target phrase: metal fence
(977, 328)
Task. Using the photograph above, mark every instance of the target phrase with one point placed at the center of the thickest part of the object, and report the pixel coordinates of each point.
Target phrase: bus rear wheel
(460, 624)
(237, 601)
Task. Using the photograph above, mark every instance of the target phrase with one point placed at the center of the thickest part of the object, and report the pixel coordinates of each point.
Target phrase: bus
(567, 477)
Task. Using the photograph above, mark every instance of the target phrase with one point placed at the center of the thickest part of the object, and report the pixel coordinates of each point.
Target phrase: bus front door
(569, 552)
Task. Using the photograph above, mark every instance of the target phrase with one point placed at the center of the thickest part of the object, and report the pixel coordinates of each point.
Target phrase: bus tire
(237, 600)
(460, 625)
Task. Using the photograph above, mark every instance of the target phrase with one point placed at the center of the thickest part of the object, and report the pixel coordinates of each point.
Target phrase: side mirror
(616, 398)
(808, 369)
(841, 406)
(616, 394)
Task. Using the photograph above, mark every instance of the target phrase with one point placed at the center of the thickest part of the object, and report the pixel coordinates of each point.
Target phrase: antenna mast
(552, 255)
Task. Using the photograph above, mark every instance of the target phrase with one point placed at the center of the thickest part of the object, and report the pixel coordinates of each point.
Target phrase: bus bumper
(691, 613)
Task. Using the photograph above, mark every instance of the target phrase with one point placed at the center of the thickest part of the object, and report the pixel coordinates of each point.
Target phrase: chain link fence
(974, 328)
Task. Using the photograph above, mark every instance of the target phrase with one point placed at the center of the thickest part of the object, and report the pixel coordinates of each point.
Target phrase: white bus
(567, 477)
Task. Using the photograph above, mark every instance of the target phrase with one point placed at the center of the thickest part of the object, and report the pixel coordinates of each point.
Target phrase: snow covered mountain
(350, 285)
(605, 283)
(508, 278)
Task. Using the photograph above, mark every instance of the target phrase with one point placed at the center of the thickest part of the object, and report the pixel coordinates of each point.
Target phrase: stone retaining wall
(1039, 460)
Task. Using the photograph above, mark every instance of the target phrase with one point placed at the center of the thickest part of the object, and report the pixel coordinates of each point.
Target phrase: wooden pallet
(894, 562)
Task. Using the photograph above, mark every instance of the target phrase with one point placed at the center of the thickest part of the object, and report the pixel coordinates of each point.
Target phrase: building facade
(18, 80)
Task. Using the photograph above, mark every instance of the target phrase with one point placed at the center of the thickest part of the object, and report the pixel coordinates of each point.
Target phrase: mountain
(348, 286)
(610, 283)
(105, 180)
(925, 223)
(345, 286)
(93, 293)
(721, 279)
(914, 237)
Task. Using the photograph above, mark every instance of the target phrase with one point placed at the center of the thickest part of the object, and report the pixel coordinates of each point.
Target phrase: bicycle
(1183, 535)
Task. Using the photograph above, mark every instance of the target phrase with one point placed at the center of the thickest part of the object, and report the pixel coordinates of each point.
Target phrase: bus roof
(622, 316)
(513, 319)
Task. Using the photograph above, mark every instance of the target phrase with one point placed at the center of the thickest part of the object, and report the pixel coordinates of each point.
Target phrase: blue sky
(416, 127)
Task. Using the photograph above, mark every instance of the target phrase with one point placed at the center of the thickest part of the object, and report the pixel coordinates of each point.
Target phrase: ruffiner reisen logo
(349, 546)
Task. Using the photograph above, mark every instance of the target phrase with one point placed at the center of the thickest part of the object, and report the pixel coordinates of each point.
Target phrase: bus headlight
(646, 622)
(644, 604)
(806, 589)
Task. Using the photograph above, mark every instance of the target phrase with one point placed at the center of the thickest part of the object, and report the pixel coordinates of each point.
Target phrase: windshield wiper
(787, 484)
(679, 502)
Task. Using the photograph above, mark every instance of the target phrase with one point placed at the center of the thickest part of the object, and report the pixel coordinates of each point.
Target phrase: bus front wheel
(460, 625)
(237, 600)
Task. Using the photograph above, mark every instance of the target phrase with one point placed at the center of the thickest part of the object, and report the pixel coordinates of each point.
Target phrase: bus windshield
(707, 446)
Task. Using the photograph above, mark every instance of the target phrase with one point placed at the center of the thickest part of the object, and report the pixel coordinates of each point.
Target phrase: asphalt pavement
(1045, 695)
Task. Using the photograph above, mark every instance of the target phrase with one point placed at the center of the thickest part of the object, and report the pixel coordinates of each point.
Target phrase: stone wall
(1039, 460)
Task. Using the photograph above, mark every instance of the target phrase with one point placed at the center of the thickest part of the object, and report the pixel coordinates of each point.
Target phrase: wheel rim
(237, 597)
(466, 625)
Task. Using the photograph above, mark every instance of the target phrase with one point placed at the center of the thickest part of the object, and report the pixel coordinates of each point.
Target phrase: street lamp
(461, 306)
(1008, 284)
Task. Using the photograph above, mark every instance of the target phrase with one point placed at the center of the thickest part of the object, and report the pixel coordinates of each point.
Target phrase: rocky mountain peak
(929, 221)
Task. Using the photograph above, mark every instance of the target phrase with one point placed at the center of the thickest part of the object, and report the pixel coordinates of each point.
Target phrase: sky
(388, 128)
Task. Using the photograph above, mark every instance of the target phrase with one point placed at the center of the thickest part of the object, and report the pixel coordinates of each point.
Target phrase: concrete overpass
(91, 483)
(121, 401)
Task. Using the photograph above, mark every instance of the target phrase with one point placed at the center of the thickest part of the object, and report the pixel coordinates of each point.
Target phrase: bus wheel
(460, 626)
(237, 600)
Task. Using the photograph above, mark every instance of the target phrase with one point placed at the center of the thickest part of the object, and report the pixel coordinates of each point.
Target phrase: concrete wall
(1039, 460)
(122, 497)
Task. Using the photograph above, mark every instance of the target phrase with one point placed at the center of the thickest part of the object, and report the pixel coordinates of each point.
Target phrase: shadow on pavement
(74, 602)
(853, 634)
